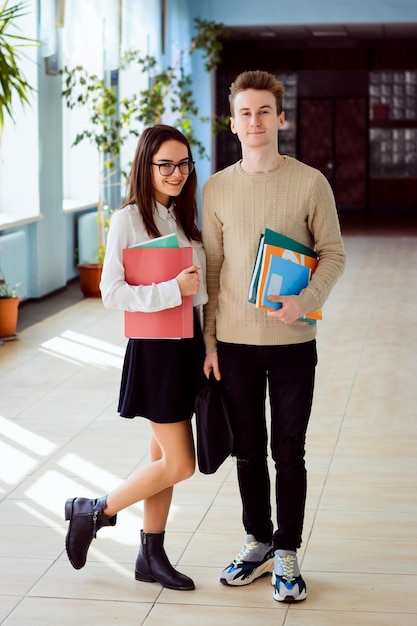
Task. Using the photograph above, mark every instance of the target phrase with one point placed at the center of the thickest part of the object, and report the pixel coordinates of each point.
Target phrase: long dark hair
(140, 187)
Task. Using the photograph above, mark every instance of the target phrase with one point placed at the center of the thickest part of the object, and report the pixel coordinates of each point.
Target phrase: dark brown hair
(140, 187)
(257, 80)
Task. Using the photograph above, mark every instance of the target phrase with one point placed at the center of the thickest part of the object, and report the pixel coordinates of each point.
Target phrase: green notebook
(166, 241)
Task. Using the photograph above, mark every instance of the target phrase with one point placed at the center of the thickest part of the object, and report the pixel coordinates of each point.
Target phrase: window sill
(77, 205)
(10, 220)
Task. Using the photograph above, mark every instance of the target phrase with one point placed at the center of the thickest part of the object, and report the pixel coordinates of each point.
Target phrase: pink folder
(144, 266)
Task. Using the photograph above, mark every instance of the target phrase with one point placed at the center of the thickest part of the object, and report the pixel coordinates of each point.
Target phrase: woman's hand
(189, 280)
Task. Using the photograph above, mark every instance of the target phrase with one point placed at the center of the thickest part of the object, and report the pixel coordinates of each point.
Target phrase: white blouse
(126, 230)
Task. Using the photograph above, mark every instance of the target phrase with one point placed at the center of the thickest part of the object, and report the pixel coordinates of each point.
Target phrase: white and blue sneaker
(255, 559)
(289, 585)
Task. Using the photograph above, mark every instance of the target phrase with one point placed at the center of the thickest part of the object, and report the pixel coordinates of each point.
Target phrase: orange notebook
(144, 266)
(299, 259)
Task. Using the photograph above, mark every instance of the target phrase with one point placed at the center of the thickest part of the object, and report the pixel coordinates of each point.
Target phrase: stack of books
(283, 267)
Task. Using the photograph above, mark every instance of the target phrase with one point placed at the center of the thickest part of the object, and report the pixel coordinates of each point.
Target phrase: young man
(251, 349)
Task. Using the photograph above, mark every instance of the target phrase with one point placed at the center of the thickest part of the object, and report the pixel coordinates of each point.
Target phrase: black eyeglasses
(166, 169)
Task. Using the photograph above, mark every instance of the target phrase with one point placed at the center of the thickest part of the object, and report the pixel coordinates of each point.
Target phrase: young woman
(160, 377)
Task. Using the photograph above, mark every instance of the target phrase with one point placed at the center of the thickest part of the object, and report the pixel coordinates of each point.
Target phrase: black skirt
(161, 377)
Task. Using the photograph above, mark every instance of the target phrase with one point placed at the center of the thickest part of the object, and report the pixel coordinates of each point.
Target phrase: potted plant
(9, 304)
(112, 120)
(107, 122)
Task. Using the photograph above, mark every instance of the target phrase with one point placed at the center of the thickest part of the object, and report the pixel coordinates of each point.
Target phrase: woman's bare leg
(176, 463)
(156, 508)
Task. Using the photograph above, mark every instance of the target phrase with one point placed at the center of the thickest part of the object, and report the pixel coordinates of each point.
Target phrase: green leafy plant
(207, 39)
(108, 128)
(112, 119)
(171, 89)
(12, 81)
(7, 290)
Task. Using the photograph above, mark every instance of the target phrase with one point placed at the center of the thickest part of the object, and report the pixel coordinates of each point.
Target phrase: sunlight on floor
(15, 463)
(82, 349)
(25, 438)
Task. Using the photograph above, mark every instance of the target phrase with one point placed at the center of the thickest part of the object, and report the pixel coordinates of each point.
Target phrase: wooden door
(332, 136)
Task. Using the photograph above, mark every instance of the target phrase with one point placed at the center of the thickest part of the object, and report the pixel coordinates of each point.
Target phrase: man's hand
(289, 312)
(212, 363)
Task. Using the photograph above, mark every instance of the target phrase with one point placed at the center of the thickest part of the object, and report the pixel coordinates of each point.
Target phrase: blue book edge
(253, 286)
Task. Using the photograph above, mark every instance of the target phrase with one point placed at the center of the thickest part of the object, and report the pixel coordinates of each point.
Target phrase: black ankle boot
(152, 564)
(85, 517)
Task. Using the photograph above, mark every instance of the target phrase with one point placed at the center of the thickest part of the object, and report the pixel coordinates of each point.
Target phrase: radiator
(13, 260)
(87, 238)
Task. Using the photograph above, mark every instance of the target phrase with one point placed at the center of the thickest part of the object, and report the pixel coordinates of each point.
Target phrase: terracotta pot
(8, 316)
(90, 276)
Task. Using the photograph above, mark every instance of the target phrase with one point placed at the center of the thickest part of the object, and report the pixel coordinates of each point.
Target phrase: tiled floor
(61, 436)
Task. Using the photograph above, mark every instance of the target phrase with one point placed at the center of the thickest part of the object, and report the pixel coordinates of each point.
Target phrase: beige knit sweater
(295, 200)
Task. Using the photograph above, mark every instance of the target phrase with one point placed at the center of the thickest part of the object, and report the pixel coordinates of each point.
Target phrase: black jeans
(289, 371)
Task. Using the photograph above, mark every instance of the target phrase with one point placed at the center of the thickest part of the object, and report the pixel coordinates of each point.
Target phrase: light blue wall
(262, 12)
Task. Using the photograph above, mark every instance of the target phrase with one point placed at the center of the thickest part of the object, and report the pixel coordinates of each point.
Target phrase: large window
(83, 45)
(19, 185)
(138, 23)
(393, 133)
